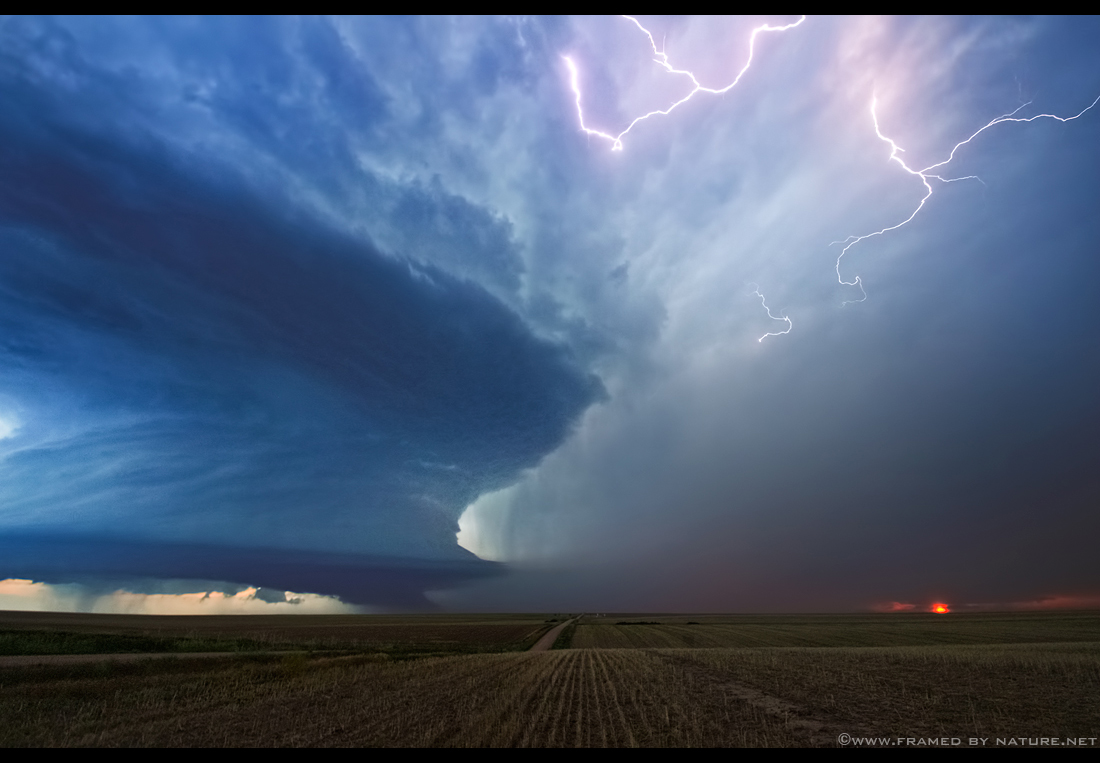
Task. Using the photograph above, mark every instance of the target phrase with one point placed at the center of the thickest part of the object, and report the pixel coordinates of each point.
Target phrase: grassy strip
(31, 643)
(565, 638)
(23, 642)
(886, 630)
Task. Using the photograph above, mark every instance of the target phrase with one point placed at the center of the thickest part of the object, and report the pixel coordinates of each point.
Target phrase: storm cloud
(190, 358)
(292, 302)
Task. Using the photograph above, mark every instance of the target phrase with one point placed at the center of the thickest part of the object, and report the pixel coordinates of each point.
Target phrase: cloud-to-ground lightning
(661, 58)
(756, 292)
(926, 175)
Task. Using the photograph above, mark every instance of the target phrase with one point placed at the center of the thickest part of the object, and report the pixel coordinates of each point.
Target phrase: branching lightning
(756, 292)
(926, 175)
(661, 58)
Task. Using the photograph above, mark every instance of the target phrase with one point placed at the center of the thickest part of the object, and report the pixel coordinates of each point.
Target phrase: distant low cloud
(1078, 601)
(29, 596)
(894, 606)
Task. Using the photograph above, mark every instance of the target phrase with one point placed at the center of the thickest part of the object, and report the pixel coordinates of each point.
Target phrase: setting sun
(940, 609)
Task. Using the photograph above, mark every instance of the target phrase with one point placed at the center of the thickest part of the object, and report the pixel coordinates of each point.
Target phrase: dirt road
(547, 641)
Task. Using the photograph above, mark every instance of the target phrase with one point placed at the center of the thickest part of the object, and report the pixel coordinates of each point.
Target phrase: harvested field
(721, 697)
(567, 697)
(748, 631)
(23, 633)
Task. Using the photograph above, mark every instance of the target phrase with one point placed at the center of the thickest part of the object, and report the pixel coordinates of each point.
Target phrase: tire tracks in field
(546, 688)
(565, 707)
(555, 709)
(609, 688)
(820, 729)
(599, 697)
(582, 695)
(596, 699)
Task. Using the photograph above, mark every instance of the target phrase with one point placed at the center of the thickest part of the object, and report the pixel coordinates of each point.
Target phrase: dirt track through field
(547, 641)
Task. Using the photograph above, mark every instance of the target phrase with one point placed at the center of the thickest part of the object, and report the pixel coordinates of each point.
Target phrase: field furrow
(622, 736)
(687, 697)
(561, 711)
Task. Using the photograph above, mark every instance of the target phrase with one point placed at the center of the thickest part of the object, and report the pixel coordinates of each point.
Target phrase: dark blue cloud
(194, 357)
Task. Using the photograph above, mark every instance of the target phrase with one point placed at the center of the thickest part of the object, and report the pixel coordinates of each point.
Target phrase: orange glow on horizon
(940, 609)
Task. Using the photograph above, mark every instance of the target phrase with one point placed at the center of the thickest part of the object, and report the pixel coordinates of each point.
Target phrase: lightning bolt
(661, 58)
(926, 175)
(756, 292)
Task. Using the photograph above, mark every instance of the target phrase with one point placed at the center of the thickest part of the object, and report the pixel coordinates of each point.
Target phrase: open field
(911, 629)
(26, 633)
(702, 696)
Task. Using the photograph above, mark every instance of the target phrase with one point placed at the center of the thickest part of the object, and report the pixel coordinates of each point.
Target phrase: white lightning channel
(756, 292)
(925, 176)
(662, 60)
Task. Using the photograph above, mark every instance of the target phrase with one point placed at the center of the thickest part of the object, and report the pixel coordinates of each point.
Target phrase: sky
(375, 314)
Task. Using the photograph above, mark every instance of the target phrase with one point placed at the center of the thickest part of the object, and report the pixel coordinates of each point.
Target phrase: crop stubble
(786, 696)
